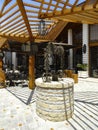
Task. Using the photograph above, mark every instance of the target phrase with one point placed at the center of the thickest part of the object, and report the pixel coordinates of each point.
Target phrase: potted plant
(82, 70)
(82, 67)
(95, 73)
(79, 66)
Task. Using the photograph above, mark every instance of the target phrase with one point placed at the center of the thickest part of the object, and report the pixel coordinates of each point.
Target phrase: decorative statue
(53, 55)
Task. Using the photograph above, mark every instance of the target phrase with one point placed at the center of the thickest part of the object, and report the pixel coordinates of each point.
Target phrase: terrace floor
(18, 109)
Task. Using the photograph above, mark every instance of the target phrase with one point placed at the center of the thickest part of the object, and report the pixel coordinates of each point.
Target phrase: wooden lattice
(19, 20)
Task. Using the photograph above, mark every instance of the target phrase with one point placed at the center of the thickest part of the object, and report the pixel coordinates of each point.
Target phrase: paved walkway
(17, 109)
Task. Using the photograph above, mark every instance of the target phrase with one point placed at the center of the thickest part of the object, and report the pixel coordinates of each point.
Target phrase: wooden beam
(96, 2)
(77, 9)
(9, 9)
(56, 6)
(41, 6)
(4, 4)
(80, 18)
(32, 16)
(47, 3)
(74, 5)
(13, 19)
(48, 7)
(14, 31)
(12, 26)
(18, 39)
(31, 5)
(0, 14)
(8, 16)
(86, 18)
(85, 3)
(25, 18)
(95, 15)
(65, 4)
(31, 11)
(93, 44)
(36, 7)
(22, 33)
(15, 24)
(18, 31)
(70, 19)
(31, 72)
(31, 38)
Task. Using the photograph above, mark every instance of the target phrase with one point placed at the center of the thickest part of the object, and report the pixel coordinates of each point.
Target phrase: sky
(70, 1)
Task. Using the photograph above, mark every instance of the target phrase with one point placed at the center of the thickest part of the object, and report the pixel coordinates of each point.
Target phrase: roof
(20, 19)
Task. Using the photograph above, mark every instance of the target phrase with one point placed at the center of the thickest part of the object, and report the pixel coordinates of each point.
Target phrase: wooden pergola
(20, 19)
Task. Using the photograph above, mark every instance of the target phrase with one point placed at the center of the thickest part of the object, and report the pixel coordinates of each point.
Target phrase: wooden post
(2, 75)
(31, 72)
(1, 64)
(75, 77)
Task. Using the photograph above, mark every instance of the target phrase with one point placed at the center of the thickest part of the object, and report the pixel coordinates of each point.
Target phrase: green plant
(82, 66)
(79, 65)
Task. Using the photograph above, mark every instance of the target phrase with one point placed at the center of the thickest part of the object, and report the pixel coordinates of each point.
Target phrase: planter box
(82, 74)
(95, 73)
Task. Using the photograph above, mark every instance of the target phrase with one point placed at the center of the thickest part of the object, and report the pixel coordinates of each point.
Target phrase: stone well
(55, 99)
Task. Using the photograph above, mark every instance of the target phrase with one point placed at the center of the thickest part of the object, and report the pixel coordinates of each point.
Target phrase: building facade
(85, 38)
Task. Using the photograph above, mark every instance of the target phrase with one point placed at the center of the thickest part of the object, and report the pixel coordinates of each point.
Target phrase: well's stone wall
(55, 100)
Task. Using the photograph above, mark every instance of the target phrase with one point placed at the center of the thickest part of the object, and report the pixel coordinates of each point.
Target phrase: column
(70, 42)
(85, 44)
(14, 60)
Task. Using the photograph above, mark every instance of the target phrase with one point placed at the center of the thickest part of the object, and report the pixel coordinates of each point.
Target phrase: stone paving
(18, 109)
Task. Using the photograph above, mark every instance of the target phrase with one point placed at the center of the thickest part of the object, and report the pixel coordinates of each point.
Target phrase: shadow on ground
(25, 95)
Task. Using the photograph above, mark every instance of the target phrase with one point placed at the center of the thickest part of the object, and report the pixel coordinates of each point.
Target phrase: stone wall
(55, 104)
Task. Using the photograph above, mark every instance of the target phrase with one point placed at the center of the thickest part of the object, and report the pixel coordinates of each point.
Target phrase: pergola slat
(19, 39)
(9, 9)
(74, 5)
(6, 18)
(10, 21)
(86, 2)
(48, 6)
(30, 12)
(4, 4)
(96, 2)
(65, 4)
(13, 28)
(10, 27)
(23, 12)
(18, 31)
